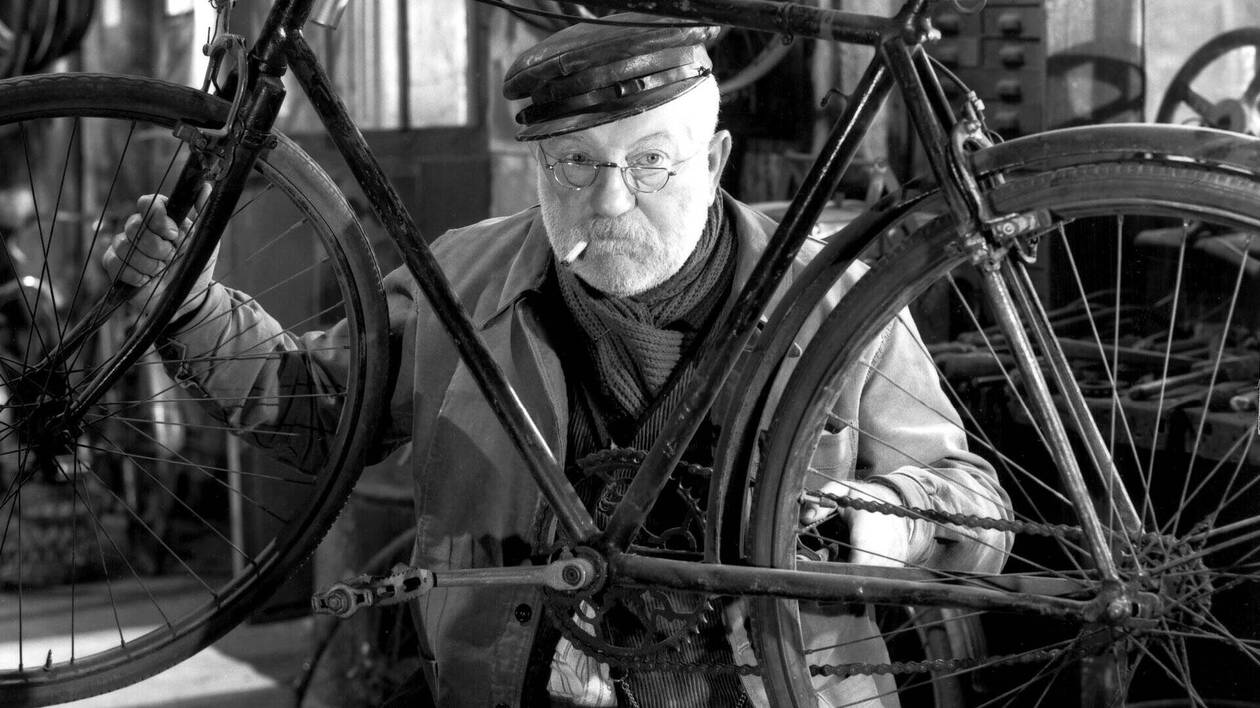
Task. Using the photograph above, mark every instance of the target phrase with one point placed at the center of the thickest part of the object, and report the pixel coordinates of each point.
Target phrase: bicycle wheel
(1146, 277)
(236, 523)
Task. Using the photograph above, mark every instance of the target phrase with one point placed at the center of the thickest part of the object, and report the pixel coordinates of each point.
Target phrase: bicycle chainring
(632, 624)
(625, 625)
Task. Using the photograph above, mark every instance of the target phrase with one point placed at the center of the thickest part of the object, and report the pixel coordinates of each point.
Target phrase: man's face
(636, 240)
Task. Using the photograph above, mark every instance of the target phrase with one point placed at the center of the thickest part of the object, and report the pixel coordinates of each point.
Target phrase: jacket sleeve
(911, 438)
(280, 391)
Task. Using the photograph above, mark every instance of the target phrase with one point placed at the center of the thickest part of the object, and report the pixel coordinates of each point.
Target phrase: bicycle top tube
(785, 18)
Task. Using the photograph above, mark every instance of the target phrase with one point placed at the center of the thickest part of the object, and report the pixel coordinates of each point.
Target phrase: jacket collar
(532, 262)
(526, 272)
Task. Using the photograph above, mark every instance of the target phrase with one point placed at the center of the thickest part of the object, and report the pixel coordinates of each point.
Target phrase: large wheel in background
(1218, 86)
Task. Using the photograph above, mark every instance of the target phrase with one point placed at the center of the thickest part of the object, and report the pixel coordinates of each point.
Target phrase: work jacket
(477, 506)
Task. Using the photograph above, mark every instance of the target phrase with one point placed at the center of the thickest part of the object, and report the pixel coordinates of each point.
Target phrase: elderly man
(589, 302)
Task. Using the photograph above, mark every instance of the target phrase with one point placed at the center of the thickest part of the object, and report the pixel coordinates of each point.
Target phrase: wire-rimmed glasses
(639, 179)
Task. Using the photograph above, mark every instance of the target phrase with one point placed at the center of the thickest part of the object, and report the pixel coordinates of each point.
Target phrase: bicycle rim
(1137, 249)
(144, 535)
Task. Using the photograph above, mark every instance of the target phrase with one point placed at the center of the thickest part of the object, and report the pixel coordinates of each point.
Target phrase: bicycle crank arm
(345, 598)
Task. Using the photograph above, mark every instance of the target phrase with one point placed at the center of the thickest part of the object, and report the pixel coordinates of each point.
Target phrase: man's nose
(609, 195)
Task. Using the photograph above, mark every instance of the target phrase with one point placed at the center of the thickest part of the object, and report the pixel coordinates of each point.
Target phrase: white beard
(626, 254)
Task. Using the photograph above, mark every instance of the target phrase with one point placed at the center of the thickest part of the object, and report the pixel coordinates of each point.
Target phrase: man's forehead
(595, 138)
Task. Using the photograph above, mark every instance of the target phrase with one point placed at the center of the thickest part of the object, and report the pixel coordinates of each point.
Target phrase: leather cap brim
(592, 74)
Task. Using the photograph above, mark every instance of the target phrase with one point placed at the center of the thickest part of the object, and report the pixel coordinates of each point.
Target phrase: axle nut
(572, 575)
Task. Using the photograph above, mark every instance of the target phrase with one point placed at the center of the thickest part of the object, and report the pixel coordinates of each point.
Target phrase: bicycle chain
(1066, 531)
(935, 665)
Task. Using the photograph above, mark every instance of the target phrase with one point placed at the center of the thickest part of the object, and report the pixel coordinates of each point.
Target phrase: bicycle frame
(899, 62)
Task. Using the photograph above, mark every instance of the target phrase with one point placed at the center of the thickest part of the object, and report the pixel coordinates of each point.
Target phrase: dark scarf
(628, 351)
(634, 343)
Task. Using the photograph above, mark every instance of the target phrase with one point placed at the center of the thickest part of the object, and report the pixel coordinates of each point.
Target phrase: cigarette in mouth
(574, 253)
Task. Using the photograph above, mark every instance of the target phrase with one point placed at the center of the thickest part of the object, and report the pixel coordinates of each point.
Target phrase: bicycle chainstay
(662, 664)
(844, 670)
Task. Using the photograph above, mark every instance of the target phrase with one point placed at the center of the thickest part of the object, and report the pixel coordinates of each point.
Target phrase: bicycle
(1119, 572)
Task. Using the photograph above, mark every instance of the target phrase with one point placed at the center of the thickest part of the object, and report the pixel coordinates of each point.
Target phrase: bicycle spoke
(1042, 674)
(156, 480)
(925, 466)
(202, 427)
(1216, 368)
(96, 230)
(1018, 398)
(31, 308)
(1242, 445)
(991, 449)
(1117, 407)
(1014, 470)
(119, 553)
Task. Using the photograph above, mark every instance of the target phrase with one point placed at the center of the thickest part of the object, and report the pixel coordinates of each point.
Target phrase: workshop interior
(422, 80)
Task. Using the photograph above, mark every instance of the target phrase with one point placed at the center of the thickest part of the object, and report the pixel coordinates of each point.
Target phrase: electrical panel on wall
(1000, 53)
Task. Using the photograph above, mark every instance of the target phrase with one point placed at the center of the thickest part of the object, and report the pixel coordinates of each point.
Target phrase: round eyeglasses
(639, 179)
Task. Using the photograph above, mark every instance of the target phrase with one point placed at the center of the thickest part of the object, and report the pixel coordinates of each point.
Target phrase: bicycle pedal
(345, 598)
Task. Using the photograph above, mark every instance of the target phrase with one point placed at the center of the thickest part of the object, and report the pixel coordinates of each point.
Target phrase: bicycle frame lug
(978, 251)
(213, 153)
(922, 32)
(593, 579)
(966, 136)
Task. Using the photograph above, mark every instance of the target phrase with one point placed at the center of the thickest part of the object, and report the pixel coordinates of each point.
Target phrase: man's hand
(147, 246)
(876, 539)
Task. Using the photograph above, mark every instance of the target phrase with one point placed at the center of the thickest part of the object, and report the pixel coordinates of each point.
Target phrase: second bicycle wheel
(140, 534)
(1149, 277)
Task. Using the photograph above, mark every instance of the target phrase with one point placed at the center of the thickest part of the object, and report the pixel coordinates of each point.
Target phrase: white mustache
(629, 227)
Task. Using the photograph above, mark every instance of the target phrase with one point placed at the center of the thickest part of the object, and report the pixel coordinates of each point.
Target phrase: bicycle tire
(313, 244)
(1103, 211)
